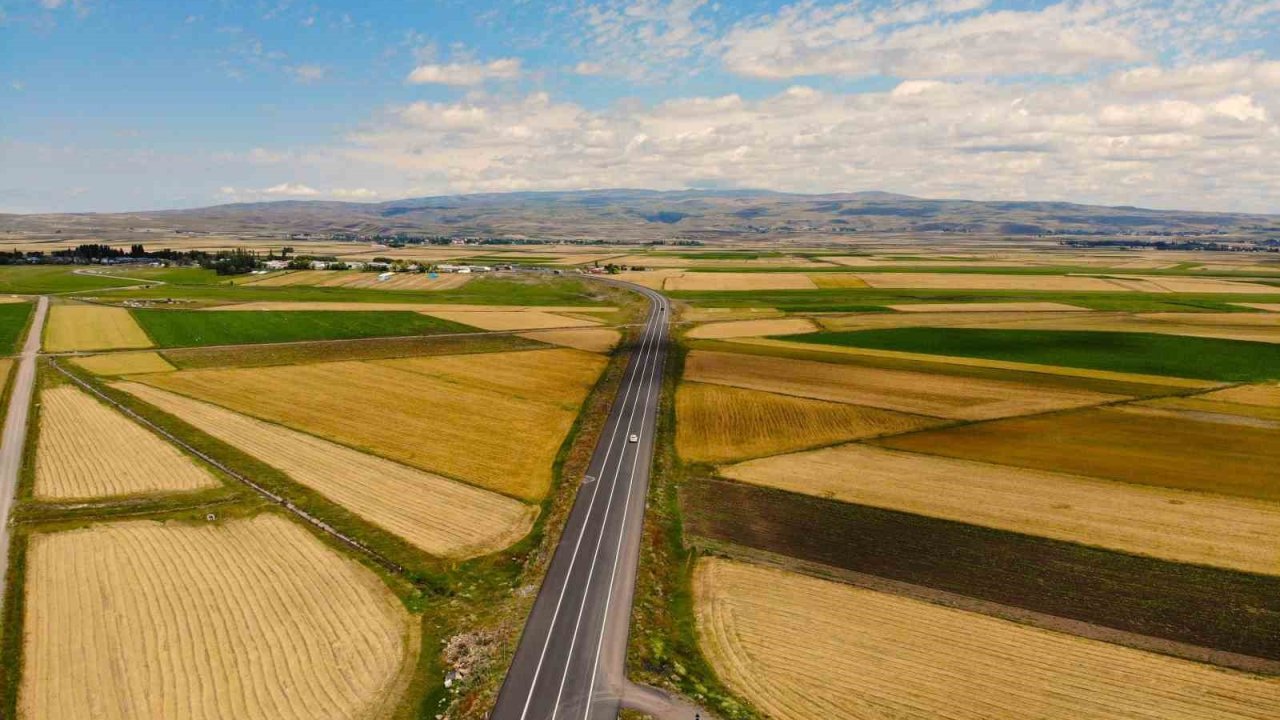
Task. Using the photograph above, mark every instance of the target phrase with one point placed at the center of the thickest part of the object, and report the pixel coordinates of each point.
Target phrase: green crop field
(480, 291)
(13, 319)
(1146, 353)
(188, 328)
(29, 280)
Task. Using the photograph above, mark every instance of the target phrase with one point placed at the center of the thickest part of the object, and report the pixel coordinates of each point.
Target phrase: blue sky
(116, 105)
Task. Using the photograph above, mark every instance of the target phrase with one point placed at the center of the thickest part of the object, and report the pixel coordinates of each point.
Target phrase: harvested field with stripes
(1264, 395)
(717, 423)
(124, 363)
(89, 450)
(91, 327)
(752, 328)
(511, 320)
(1126, 444)
(903, 390)
(807, 649)
(739, 281)
(987, 307)
(597, 340)
(979, 281)
(495, 420)
(1188, 527)
(268, 305)
(441, 516)
(254, 619)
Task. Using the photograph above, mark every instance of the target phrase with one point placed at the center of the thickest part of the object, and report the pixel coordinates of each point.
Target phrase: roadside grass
(1210, 607)
(1144, 353)
(14, 319)
(358, 349)
(504, 290)
(36, 280)
(847, 300)
(663, 648)
(188, 328)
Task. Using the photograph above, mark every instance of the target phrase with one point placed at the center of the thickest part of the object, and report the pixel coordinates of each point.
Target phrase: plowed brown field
(254, 620)
(443, 517)
(807, 649)
(88, 450)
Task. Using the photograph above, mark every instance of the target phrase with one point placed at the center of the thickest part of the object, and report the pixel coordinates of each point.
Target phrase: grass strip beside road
(1141, 353)
(14, 318)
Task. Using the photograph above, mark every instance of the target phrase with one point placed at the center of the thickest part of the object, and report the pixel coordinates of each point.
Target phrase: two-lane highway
(571, 657)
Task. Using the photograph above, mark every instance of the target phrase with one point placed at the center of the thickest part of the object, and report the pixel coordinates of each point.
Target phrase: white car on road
(635, 438)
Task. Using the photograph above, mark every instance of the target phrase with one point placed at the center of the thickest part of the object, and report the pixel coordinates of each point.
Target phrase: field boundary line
(1021, 616)
(280, 500)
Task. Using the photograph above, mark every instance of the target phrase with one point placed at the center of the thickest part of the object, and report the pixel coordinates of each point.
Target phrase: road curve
(570, 663)
(15, 430)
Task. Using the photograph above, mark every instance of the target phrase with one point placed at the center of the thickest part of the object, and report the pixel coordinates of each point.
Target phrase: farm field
(978, 281)
(597, 340)
(1218, 410)
(88, 450)
(1251, 327)
(92, 327)
(1265, 395)
(188, 328)
(424, 307)
(124, 363)
(52, 279)
(1141, 353)
(14, 317)
(718, 423)
(511, 320)
(986, 307)
(739, 282)
(145, 619)
(1174, 525)
(244, 356)
(1066, 586)
(443, 517)
(803, 648)
(752, 328)
(1130, 444)
(495, 420)
(902, 390)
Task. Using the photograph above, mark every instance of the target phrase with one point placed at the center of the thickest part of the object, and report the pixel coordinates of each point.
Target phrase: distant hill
(650, 214)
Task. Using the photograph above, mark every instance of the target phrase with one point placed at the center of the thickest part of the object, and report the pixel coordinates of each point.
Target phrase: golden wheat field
(717, 423)
(652, 279)
(90, 327)
(495, 420)
(124, 363)
(1127, 444)
(902, 390)
(251, 619)
(1156, 284)
(1264, 394)
(739, 281)
(88, 450)
(443, 517)
(411, 307)
(1187, 527)
(511, 320)
(801, 648)
(837, 280)
(597, 340)
(752, 328)
(1200, 404)
(979, 281)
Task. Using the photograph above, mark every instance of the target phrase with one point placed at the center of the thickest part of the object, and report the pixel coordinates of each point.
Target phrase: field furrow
(88, 450)
(253, 619)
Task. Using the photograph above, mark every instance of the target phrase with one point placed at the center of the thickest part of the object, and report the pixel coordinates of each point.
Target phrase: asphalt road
(570, 663)
(15, 430)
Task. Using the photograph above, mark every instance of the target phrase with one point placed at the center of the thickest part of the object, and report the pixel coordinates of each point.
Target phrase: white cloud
(308, 73)
(51, 4)
(949, 39)
(354, 193)
(465, 73)
(291, 190)
(645, 40)
(588, 68)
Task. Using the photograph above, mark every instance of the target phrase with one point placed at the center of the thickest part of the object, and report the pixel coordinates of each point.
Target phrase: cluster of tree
(1260, 246)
